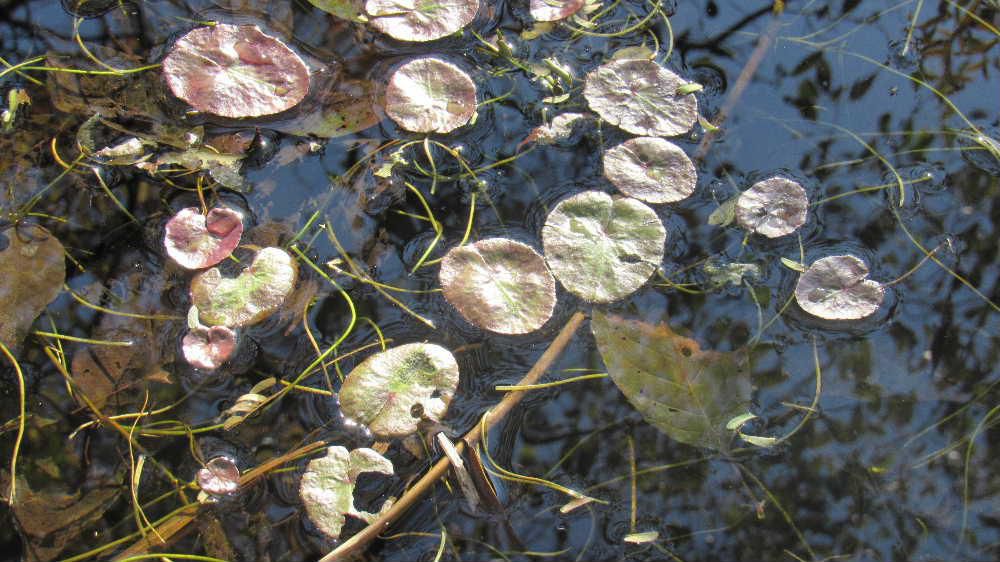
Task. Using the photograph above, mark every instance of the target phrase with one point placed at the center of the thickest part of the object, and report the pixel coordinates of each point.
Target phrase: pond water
(850, 98)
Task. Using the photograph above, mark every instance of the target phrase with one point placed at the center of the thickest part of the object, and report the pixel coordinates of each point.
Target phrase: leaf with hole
(838, 288)
(650, 169)
(685, 392)
(773, 207)
(392, 391)
(429, 95)
(640, 97)
(249, 298)
(327, 487)
(602, 249)
(33, 269)
(235, 71)
(420, 20)
(499, 284)
(197, 241)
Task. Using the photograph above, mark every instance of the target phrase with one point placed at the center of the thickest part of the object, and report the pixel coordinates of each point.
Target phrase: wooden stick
(361, 540)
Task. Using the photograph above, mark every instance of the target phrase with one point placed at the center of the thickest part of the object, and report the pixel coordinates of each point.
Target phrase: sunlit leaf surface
(554, 10)
(773, 207)
(420, 20)
(429, 95)
(641, 97)
(197, 241)
(248, 298)
(650, 169)
(838, 288)
(327, 487)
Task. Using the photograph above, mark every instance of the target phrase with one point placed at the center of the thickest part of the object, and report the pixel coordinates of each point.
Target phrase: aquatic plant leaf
(207, 348)
(554, 10)
(392, 391)
(420, 20)
(685, 392)
(429, 95)
(838, 288)
(235, 71)
(640, 97)
(602, 249)
(343, 108)
(560, 129)
(220, 476)
(650, 169)
(33, 270)
(499, 284)
(327, 487)
(197, 241)
(773, 207)
(223, 168)
(720, 273)
(255, 294)
(351, 10)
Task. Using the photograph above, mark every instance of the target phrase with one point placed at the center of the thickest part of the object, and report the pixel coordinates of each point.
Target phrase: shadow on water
(853, 98)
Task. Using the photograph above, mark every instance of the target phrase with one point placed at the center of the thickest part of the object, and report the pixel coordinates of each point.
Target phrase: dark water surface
(897, 462)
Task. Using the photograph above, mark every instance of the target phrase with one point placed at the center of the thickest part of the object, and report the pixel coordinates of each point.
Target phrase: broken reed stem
(359, 541)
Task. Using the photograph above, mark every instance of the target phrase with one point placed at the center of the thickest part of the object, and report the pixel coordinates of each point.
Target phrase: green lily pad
(33, 269)
(255, 294)
(392, 391)
(651, 169)
(641, 97)
(327, 488)
(429, 95)
(420, 20)
(838, 288)
(499, 284)
(685, 392)
(350, 10)
(603, 249)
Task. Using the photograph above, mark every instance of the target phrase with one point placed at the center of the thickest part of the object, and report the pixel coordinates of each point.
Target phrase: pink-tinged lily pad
(641, 97)
(554, 10)
(220, 476)
(774, 207)
(429, 95)
(197, 241)
(650, 169)
(207, 348)
(258, 292)
(235, 71)
(420, 20)
(838, 288)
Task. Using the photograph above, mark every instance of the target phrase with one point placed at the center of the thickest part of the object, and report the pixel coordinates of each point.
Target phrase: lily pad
(420, 20)
(197, 241)
(499, 284)
(220, 476)
(685, 392)
(249, 298)
(207, 348)
(392, 391)
(429, 95)
(650, 169)
(554, 10)
(235, 71)
(641, 97)
(350, 10)
(33, 270)
(327, 488)
(603, 249)
(838, 288)
(773, 207)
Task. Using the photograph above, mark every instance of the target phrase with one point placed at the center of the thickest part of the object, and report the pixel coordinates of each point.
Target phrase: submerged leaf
(420, 20)
(499, 284)
(249, 298)
(351, 10)
(554, 10)
(235, 71)
(327, 488)
(773, 207)
(220, 476)
(33, 270)
(650, 169)
(560, 129)
(687, 393)
(392, 391)
(641, 97)
(602, 249)
(838, 288)
(429, 95)
(197, 241)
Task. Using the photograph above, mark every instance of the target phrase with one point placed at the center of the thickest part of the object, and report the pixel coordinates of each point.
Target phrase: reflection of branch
(359, 541)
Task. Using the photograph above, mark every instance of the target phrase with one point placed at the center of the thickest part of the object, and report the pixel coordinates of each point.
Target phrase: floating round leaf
(554, 10)
(33, 270)
(327, 488)
(602, 249)
(429, 95)
(390, 392)
(196, 241)
(641, 97)
(499, 284)
(420, 20)
(773, 207)
(220, 476)
(249, 298)
(650, 169)
(235, 71)
(208, 348)
(838, 288)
